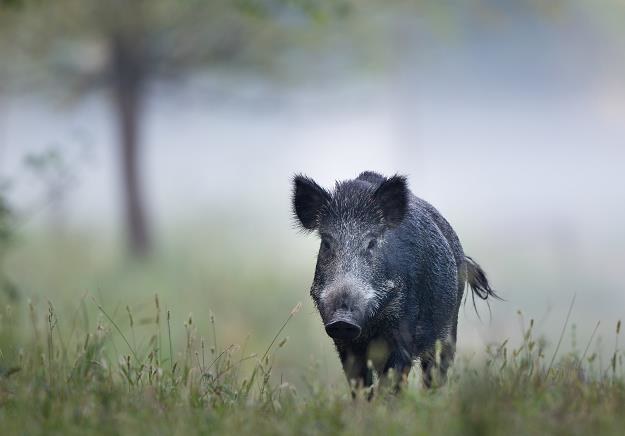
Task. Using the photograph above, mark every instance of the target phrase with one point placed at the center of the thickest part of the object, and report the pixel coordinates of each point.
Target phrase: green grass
(90, 349)
(68, 375)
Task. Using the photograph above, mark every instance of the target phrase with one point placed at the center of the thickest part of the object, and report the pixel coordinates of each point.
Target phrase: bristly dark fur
(479, 285)
(390, 268)
(477, 280)
(371, 177)
(392, 196)
(308, 200)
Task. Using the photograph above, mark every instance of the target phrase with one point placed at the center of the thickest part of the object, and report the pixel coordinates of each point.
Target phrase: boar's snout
(343, 309)
(343, 329)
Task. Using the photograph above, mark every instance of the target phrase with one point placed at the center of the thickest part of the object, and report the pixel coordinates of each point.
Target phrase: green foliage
(70, 42)
(7, 223)
(69, 378)
(10, 3)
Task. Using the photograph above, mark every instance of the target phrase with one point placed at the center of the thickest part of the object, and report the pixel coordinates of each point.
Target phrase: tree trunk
(128, 90)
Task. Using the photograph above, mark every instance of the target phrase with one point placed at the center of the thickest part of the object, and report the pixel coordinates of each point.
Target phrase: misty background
(509, 117)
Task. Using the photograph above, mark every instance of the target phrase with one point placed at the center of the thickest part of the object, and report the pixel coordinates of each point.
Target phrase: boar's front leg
(354, 362)
(396, 371)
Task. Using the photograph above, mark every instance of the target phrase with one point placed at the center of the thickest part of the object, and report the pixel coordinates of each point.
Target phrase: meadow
(152, 280)
(97, 344)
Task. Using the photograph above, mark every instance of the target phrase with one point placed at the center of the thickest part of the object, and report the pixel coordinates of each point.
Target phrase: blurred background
(147, 147)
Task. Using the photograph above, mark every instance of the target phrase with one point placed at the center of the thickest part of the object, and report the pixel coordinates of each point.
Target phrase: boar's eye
(326, 246)
(373, 242)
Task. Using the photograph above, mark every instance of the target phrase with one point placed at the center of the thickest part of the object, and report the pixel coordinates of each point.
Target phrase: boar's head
(353, 279)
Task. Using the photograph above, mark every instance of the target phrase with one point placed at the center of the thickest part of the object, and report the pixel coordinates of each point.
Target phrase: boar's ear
(308, 199)
(392, 198)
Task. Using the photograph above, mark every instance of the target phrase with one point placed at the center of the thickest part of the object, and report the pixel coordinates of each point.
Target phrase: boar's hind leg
(435, 370)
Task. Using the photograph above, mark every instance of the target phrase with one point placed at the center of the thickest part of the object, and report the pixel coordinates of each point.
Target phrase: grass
(98, 345)
(76, 377)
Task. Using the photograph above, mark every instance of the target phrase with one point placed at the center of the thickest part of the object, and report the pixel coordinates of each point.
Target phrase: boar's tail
(476, 278)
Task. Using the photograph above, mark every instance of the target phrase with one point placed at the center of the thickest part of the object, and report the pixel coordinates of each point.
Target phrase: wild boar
(390, 276)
